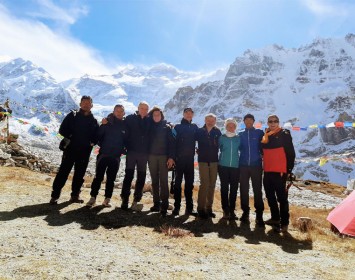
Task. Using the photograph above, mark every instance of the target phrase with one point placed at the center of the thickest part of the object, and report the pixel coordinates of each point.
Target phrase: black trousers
(255, 174)
(184, 168)
(80, 162)
(110, 166)
(275, 190)
(134, 160)
(229, 177)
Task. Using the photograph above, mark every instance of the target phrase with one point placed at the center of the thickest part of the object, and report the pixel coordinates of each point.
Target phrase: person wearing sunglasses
(279, 159)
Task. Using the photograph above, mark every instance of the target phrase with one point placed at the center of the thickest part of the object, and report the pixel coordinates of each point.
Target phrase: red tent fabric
(343, 216)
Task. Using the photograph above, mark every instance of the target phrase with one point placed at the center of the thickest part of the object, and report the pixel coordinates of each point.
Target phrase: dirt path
(70, 241)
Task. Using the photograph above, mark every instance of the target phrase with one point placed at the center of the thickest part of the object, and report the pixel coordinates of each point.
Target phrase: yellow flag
(322, 161)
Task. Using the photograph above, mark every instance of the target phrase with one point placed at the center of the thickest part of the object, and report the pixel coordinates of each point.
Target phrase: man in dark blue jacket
(79, 128)
(207, 138)
(185, 134)
(111, 139)
(138, 126)
(250, 164)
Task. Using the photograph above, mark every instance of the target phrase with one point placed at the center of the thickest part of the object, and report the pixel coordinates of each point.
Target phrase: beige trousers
(208, 176)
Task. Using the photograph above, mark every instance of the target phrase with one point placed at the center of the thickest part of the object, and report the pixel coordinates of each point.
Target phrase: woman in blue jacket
(228, 168)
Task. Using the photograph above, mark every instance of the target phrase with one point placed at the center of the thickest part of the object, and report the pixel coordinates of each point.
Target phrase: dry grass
(322, 187)
(174, 231)
(321, 230)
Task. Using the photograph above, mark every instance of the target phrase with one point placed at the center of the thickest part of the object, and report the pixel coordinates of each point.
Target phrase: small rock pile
(15, 155)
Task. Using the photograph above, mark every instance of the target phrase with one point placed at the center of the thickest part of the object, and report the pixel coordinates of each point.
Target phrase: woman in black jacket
(161, 158)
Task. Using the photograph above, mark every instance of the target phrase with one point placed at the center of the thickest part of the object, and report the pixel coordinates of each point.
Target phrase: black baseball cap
(249, 116)
(188, 109)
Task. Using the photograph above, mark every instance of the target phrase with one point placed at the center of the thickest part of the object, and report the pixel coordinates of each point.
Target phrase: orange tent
(343, 216)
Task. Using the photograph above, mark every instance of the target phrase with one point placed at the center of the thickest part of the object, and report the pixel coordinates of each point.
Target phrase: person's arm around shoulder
(94, 137)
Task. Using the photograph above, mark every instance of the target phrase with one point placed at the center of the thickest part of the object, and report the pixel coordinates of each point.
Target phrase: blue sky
(72, 37)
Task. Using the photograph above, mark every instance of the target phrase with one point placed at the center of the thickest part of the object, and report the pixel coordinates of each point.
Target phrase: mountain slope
(313, 84)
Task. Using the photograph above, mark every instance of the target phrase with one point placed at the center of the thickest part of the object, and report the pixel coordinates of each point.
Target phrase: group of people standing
(147, 138)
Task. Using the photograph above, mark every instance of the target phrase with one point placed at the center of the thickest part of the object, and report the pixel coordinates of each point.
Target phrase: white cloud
(61, 55)
(325, 8)
(46, 9)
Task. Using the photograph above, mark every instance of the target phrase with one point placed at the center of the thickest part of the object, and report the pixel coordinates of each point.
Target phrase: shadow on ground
(93, 218)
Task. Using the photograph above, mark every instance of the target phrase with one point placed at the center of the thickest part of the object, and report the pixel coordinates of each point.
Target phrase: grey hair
(143, 103)
(210, 115)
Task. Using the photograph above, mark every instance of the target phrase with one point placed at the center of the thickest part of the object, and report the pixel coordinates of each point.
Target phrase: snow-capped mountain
(34, 97)
(313, 84)
(132, 84)
(310, 85)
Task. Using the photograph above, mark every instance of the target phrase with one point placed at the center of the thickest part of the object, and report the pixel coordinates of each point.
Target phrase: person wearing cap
(207, 138)
(228, 168)
(79, 129)
(138, 127)
(185, 139)
(250, 166)
(112, 140)
(279, 160)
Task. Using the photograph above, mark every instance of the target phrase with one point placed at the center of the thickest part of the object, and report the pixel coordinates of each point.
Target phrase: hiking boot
(272, 222)
(136, 207)
(155, 208)
(284, 228)
(106, 202)
(245, 218)
(175, 212)
(233, 216)
(191, 212)
(203, 215)
(225, 215)
(91, 201)
(53, 201)
(76, 199)
(124, 204)
(211, 214)
(163, 213)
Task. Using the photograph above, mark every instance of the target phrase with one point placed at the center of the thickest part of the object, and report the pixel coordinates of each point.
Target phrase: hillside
(68, 241)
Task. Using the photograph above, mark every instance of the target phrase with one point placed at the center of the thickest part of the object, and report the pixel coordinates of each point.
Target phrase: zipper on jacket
(230, 163)
(249, 148)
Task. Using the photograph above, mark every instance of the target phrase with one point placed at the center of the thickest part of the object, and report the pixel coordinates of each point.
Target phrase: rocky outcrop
(15, 155)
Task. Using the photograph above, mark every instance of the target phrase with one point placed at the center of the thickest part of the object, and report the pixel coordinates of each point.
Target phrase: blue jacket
(185, 135)
(229, 147)
(250, 147)
(208, 144)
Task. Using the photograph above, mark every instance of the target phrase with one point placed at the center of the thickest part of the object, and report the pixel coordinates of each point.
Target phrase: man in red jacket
(279, 159)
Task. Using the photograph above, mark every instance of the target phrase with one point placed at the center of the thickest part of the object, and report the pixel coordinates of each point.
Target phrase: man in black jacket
(111, 139)
(138, 125)
(79, 128)
(207, 138)
(185, 135)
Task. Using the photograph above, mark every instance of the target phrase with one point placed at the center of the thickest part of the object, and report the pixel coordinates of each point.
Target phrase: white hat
(230, 120)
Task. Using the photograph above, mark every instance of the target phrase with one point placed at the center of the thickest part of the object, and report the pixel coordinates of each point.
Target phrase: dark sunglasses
(273, 121)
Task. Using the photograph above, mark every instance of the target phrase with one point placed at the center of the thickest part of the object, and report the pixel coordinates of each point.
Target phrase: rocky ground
(71, 241)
